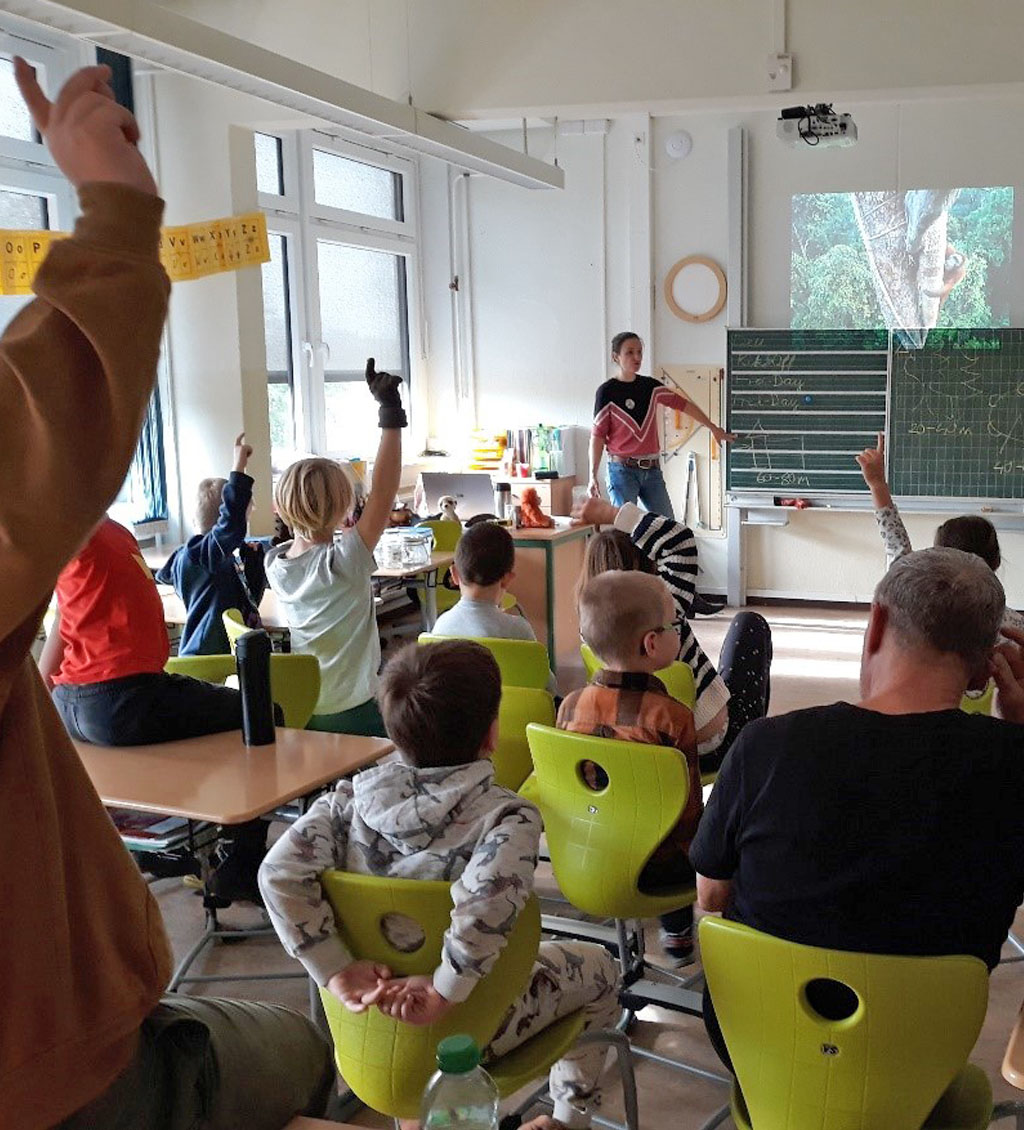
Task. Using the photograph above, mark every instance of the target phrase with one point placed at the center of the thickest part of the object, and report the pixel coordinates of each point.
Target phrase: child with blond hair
(322, 576)
(629, 621)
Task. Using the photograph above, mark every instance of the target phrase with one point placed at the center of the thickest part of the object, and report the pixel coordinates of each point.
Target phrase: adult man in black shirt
(896, 825)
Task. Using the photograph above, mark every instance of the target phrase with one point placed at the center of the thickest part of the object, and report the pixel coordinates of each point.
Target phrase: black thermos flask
(252, 653)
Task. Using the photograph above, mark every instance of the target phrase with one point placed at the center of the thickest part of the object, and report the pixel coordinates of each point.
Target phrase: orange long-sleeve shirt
(83, 954)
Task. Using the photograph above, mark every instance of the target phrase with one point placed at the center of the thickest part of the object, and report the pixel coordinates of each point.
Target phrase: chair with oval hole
(601, 840)
(387, 1063)
(836, 1040)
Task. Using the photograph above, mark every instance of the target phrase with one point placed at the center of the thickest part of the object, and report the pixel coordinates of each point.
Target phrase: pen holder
(252, 653)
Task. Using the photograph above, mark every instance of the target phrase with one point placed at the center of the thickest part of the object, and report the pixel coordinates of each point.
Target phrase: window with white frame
(336, 288)
(34, 196)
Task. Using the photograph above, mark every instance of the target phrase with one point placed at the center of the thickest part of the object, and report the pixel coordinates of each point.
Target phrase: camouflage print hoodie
(451, 823)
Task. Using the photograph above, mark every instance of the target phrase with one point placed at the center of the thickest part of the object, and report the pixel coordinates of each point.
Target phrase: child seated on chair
(434, 812)
(322, 576)
(217, 569)
(104, 661)
(628, 619)
(483, 569)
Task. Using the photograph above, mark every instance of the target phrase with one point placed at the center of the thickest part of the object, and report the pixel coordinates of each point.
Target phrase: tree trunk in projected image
(912, 263)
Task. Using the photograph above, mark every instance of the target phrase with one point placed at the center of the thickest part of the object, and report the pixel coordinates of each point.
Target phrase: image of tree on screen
(906, 261)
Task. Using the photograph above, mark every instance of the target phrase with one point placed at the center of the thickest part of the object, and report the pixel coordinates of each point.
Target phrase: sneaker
(678, 948)
(167, 864)
(706, 604)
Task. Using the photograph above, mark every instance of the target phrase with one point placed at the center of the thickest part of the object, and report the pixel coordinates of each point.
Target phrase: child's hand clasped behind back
(413, 1000)
(360, 984)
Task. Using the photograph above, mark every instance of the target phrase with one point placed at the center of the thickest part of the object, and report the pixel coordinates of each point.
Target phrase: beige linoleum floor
(816, 659)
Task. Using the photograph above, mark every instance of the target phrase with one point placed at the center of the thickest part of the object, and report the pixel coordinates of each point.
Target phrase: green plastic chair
(387, 1063)
(523, 663)
(899, 1062)
(980, 704)
(519, 707)
(600, 841)
(294, 680)
(234, 625)
(678, 678)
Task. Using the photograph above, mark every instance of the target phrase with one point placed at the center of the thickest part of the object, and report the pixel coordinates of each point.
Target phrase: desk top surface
(562, 531)
(220, 779)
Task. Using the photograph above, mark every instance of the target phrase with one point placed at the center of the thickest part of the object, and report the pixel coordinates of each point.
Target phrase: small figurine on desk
(531, 517)
(448, 504)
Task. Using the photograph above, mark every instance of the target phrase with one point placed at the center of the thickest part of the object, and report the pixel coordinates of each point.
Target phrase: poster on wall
(905, 261)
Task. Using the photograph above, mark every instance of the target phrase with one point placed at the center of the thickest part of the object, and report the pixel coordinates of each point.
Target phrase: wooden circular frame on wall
(670, 281)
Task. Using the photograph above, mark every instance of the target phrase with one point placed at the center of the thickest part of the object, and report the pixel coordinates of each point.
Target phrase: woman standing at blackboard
(626, 428)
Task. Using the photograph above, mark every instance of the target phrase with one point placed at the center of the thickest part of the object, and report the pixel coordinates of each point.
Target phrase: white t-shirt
(326, 597)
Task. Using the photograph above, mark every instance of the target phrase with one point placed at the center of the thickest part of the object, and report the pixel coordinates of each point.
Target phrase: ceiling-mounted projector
(815, 125)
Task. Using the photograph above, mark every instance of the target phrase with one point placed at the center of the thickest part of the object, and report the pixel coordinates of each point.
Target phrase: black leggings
(745, 667)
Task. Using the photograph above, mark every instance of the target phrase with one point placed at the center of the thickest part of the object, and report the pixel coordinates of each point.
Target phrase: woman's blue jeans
(630, 484)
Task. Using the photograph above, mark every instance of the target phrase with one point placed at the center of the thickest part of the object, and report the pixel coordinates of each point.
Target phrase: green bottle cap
(457, 1054)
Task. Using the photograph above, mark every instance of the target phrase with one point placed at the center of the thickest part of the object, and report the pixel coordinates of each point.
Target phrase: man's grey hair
(946, 600)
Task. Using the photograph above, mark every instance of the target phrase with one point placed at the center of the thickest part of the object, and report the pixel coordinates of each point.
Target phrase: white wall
(491, 58)
(215, 327)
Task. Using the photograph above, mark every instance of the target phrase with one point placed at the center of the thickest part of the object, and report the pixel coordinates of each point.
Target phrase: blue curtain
(148, 472)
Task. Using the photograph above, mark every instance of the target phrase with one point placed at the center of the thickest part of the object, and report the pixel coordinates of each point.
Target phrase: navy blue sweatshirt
(205, 573)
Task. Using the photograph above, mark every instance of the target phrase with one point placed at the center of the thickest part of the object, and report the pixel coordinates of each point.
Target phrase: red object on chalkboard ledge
(795, 503)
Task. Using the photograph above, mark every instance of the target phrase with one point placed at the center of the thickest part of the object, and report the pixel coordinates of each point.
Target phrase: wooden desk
(548, 565)
(218, 778)
(427, 577)
(273, 616)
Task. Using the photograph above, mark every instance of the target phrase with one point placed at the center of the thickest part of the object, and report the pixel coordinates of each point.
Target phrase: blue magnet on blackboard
(808, 399)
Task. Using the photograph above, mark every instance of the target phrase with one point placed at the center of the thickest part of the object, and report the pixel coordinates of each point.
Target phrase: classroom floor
(816, 659)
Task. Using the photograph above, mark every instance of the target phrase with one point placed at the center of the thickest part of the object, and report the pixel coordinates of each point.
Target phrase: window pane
(14, 116)
(361, 314)
(277, 331)
(269, 176)
(350, 419)
(22, 210)
(342, 183)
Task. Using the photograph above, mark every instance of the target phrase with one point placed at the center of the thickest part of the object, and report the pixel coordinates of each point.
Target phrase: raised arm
(220, 542)
(77, 365)
(688, 408)
(890, 525)
(387, 467)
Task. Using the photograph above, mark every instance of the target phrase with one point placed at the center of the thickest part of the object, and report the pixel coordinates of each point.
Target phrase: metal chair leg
(716, 1119)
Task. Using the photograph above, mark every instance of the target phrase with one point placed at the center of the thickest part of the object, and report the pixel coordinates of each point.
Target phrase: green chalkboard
(957, 416)
(803, 403)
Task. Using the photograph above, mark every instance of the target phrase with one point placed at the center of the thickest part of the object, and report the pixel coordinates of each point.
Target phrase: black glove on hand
(384, 388)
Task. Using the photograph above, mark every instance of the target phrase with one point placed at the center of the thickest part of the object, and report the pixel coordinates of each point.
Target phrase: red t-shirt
(111, 616)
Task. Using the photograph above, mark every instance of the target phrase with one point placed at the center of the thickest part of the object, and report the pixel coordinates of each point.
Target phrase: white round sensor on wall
(678, 144)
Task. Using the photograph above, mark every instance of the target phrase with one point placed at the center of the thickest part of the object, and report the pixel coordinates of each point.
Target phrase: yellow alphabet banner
(191, 251)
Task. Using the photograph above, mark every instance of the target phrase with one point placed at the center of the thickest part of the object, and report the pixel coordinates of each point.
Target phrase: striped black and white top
(673, 549)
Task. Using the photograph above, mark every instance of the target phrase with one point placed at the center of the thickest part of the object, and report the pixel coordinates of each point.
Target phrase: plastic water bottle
(460, 1095)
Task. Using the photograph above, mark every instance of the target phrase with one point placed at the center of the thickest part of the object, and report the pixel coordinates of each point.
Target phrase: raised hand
(872, 463)
(1007, 668)
(384, 387)
(91, 137)
(243, 452)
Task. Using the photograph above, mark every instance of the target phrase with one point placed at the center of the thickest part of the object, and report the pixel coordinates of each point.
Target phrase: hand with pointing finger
(243, 452)
(91, 137)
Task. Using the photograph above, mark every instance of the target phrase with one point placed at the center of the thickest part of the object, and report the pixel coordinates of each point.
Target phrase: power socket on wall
(780, 72)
